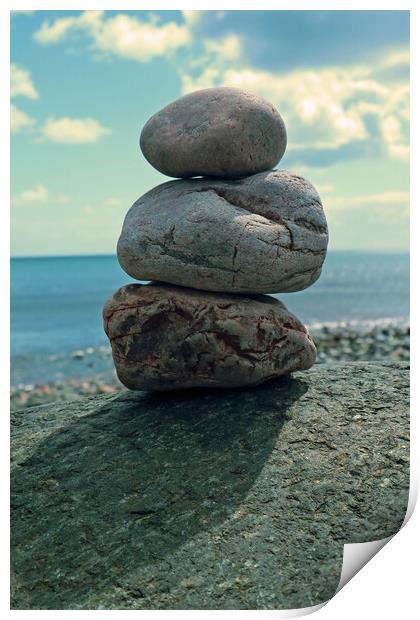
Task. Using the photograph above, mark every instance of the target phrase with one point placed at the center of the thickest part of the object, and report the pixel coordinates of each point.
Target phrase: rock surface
(222, 132)
(218, 500)
(167, 337)
(263, 234)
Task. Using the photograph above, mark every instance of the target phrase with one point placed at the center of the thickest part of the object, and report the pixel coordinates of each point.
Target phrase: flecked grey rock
(167, 337)
(222, 132)
(211, 500)
(263, 234)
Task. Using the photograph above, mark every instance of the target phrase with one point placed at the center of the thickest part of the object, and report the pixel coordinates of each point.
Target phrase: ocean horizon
(56, 304)
(384, 251)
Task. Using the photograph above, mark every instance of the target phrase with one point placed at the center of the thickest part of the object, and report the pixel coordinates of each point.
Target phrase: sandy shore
(334, 344)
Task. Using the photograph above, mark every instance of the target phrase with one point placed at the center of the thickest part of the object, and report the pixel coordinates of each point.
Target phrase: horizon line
(108, 254)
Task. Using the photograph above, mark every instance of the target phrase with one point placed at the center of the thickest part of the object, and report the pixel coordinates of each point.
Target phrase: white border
(387, 586)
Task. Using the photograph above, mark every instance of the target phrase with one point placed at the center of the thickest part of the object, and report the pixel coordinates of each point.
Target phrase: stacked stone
(212, 247)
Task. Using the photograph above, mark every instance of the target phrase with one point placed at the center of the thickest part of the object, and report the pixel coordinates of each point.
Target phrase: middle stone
(266, 233)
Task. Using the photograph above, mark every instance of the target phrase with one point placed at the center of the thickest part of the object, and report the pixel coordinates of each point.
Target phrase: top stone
(219, 132)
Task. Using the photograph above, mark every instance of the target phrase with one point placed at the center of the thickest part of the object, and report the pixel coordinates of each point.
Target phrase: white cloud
(73, 130)
(37, 195)
(192, 18)
(113, 202)
(398, 199)
(351, 107)
(398, 57)
(55, 32)
(325, 188)
(21, 83)
(205, 69)
(325, 108)
(122, 35)
(392, 130)
(66, 130)
(19, 120)
(228, 48)
(312, 102)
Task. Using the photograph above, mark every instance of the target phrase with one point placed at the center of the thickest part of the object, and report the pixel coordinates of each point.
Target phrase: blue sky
(84, 84)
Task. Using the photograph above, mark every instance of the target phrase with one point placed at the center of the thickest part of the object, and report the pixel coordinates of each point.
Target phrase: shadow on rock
(128, 484)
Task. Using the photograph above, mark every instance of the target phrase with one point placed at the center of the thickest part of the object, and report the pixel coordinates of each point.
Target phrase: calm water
(57, 302)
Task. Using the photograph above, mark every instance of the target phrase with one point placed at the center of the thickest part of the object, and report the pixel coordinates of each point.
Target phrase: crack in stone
(251, 202)
(235, 252)
(237, 200)
(309, 225)
(199, 261)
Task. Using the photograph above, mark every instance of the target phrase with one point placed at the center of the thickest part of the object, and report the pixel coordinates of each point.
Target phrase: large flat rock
(209, 499)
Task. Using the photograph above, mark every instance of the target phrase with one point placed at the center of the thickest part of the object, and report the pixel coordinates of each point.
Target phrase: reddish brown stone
(166, 337)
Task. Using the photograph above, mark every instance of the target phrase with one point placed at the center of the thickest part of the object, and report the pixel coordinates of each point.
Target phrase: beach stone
(263, 234)
(165, 337)
(222, 132)
(215, 499)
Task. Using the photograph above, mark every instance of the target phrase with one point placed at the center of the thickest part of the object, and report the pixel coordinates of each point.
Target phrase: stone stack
(212, 246)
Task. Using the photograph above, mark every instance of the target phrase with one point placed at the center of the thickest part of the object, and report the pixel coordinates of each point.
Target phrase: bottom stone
(166, 337)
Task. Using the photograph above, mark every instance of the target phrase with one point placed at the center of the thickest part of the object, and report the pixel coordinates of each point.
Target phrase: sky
(83, 84)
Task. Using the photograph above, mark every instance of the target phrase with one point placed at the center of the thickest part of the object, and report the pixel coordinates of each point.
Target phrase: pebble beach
(337, 342)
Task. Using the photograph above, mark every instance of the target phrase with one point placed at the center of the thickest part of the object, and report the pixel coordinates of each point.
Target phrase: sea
(56, 307)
